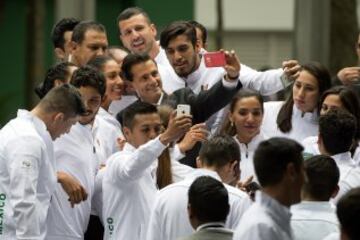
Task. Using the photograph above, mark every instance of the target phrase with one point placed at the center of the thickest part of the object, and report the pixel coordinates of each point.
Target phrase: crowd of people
(106, 153)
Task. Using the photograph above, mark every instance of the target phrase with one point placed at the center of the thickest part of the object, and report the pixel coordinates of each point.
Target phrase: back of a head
(57, 34)
(65, 99)
(348, 213)
(130, 12)
(131, 60)
(337, 130)
(272, 157)
(87, 76)
(99, 61)
(80, 29)
(219, 151)
(322, 177)
(59, 71)
(208, 200)
(126, 117)
(117, 53)
(176, 29)
(202, 29)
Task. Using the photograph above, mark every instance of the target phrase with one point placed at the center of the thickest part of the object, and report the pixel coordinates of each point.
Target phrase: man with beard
(78, 154)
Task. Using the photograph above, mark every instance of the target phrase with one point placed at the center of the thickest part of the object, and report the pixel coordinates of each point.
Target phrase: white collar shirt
(27, 177)
(312, 220)
(267, 83)
(169, 218)
(266, 219)
(247, 154)
(303, 124)
(129, 191)
(75, 155)
(349, 173)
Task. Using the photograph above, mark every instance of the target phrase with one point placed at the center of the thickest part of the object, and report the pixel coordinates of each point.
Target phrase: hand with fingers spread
(291, 69)
(177, 127)
(72, 187)
(232, 65)
(197, 133)
(349, 75)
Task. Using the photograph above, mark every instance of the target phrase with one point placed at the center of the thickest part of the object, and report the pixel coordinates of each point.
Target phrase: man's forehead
(144, 119)
(179, 40)
(135, 19)
(149, 64)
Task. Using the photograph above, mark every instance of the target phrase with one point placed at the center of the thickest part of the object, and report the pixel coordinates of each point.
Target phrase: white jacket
(27, 177)
(129, 191)
(169, 218)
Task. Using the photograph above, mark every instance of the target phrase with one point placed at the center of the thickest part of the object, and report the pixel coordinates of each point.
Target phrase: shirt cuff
(231, 84)
(176, 153)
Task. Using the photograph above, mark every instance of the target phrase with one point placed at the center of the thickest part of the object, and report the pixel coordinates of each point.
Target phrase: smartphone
(182, 109)
(214, 59)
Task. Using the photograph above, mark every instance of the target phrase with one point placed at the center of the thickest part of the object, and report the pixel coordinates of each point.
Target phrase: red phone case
(214, 59)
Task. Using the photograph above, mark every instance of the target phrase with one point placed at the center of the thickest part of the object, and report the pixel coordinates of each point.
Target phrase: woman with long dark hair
(297, 117)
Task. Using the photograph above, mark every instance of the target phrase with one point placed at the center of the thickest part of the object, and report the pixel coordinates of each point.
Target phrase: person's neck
(154, 51)
(37, 112)
(245, 139)
(152, 100)
(279, 194)
(106, 104)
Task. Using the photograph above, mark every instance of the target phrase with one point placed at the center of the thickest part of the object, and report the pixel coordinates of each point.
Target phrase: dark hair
(99, 61)
(202, 29)
(323, 176)
(209, 200)
(323, 77)
(64, 98)
(81, 28)
(126, 117)
(337, 130)
(219, 150)
(349, 99)
(229, 128)
(131, 60)
(176, 29)
(88, 76)
(59, 71)
(59, 29)
(348, 213)
(272, 157)
(130, 12)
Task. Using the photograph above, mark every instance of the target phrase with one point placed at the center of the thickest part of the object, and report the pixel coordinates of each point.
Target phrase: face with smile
(247, 116)
(182, 55)
(146, 81)
(137, 34)
(114, 83)
(306, 92)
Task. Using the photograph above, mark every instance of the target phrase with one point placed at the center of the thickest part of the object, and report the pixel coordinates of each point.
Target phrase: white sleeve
(24, 166)
(135, 164)
(180, 171)
(267, 83)
(175, 153)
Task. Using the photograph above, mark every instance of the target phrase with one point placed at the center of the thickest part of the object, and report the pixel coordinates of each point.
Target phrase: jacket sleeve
(24, 163)
(134, 164)
(207, 102)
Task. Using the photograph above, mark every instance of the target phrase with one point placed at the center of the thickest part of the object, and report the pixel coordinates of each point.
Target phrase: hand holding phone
(214, 59)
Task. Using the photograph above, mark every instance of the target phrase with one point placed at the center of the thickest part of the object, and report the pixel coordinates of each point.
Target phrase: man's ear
(153, 29)
(197, 46)
(58, 82)
(198, 162)
(73, 45)
(190, 213)
(59, 53)
(335, 192)
(291, 171)
(126, 132)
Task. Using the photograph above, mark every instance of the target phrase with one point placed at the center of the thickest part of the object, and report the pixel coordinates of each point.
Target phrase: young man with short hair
(208, 207)
(28, 168)
(279, 168)
(78, 154)
(128, 185)
(219, 158)
(336, 135)
(314, 217)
